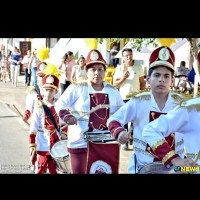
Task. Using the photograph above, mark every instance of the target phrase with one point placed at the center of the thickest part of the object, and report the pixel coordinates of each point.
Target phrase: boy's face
(160, 80)
(96, 73)
(49, 94)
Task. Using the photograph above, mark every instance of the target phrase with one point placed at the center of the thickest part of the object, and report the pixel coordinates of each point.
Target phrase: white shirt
(132, 83)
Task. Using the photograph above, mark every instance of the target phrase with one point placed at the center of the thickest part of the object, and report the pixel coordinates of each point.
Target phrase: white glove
(123, 137)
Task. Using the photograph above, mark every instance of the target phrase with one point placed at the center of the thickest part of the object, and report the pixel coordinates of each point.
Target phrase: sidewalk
(16, 96)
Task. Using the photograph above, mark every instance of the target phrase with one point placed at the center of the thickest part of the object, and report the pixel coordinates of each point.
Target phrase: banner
(103, 158)
(24, 47)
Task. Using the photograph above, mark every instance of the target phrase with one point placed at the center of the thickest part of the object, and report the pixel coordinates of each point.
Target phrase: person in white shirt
(25, 62)
(129, 78)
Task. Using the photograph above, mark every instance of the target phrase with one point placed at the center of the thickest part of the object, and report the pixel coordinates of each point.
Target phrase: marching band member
(78, 100)
(34, 93)
(44, 128)
(147, 106)
(184, 119)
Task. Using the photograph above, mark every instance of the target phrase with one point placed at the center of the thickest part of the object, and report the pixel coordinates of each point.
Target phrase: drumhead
(59, 149)
(154, 168)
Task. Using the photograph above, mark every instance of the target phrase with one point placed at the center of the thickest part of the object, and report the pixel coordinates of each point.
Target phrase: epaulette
(30, 89)
(143, 96)
(111, 86)
(192, 104)
(133, 94)
(179, 98)
(81, 83)
(38, 104)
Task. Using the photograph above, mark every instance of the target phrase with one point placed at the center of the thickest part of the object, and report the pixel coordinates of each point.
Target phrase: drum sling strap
(47, 111)
(51, 117)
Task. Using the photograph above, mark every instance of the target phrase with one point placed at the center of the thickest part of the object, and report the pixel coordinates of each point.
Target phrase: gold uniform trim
(30, 89)
(168, 156)
(139, 141)
(81, 83)
(178, 97)
(193, 106)
(142, 151)
(34, 133)
(138, 94)
(191, 155)
(158, 143)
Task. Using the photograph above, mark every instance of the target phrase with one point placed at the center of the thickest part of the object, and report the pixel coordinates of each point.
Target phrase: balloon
(91, 43)
(42, 53)
(51, 69)
(166, 41)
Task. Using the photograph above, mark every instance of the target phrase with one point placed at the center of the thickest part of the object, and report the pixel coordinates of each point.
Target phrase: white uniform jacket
(185, 118)
(76, 98)
(37, 127)
(138, 110)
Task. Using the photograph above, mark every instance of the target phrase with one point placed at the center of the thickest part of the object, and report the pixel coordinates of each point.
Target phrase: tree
(138, 43)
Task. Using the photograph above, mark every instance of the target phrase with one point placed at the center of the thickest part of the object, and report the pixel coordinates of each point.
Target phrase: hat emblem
(50, 80)
(42, 67)
(164, 54)
(94, 55)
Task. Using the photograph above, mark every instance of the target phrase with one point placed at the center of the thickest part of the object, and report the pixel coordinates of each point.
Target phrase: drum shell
(100, 136)
(155, 168)
(61, 156)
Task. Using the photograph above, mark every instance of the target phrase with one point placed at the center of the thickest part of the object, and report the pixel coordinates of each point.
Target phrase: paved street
(15, 147)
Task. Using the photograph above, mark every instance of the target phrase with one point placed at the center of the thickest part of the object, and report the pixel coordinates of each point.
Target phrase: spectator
(15, 59)
(79, 71)
(63, 73)
(32, 66)
(129, 78)
(27, 72)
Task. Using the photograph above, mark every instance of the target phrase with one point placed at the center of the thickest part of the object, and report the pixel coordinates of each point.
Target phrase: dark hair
(65, 56)
(81, 57)
(70, 53)
(182, 63)
(126, 49)
(152, 69)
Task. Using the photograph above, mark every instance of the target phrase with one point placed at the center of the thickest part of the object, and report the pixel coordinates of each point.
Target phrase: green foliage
(137, 43)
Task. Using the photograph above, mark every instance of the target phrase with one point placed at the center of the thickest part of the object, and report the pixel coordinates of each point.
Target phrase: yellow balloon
(91, 43)
(51, 69)
(166, 41)
(43, 53)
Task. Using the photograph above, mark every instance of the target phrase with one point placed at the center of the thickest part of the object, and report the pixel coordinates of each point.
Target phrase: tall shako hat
(50, 81)
(162, 56)
(40, 68)
(95, 57)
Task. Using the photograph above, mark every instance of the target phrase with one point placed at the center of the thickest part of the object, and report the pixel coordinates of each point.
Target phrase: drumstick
(197, 157)
(31, 158)
(129, 132)
(100, 106)
(20, 114)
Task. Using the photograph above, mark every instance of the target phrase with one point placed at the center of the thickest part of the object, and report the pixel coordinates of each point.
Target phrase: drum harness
(47, 110)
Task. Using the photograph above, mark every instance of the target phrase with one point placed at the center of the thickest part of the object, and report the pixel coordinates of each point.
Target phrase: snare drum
(99, 136)
(61, 156)
(155, 168)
